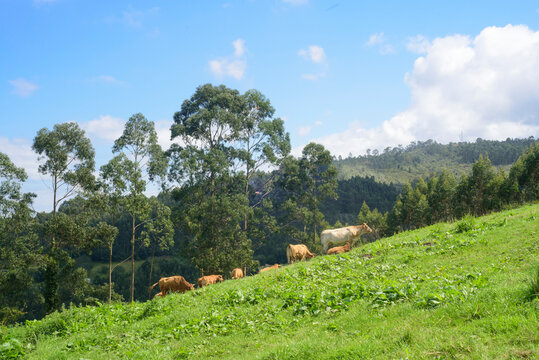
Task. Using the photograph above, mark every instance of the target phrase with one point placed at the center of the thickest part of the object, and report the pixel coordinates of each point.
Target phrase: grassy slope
(461, 297)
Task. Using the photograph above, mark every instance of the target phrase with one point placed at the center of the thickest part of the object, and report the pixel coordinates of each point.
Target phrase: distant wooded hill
(421, 159)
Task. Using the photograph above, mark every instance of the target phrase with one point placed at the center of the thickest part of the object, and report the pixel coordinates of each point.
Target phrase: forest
(231, 196)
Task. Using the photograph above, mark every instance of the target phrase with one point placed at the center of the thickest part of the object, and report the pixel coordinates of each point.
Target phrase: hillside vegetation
(454, 290)
(399, 165)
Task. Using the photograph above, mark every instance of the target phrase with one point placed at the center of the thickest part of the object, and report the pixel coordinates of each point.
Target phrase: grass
(448, 291)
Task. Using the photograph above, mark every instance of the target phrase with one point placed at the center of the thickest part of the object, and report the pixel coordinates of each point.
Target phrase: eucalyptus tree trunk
(151, 270)
(132, 298)
(110, 274)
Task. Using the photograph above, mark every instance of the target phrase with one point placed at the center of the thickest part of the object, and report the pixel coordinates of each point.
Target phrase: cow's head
(361, 229)
(366, 228)
(220, 278)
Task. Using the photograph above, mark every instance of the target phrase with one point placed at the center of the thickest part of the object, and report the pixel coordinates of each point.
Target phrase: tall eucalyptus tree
(218, 132)
(140, 158)
(67, 157)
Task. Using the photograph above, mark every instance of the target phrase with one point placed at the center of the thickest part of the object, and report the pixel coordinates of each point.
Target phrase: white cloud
(106, 79)
(418, 44)
(21, 154)
(376, 38)
(314, 53)
(479, 87)
(105, 127)
(22, 87)
(162, 127)
(379, 40)
(317, 56)
(239, 47)
(233, 66)
(296, 2)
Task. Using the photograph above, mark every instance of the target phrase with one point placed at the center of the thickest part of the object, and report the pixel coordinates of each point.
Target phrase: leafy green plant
(10, 347)
(467, 223)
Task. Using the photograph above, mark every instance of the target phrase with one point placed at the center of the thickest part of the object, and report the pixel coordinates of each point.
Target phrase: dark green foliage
(307, 182)
(441, 192)
(523, 180)
(221, 128)
(351, 194)
(20, 255)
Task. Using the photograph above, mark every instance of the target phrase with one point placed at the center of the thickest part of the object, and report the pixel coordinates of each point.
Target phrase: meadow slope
(456, 290)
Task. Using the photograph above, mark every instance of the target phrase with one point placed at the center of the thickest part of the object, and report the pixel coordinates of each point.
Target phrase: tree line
(444, 198)
(420, 158)
(215, 188)
(231, 196)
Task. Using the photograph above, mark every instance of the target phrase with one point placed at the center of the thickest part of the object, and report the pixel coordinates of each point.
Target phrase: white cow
(342, 235)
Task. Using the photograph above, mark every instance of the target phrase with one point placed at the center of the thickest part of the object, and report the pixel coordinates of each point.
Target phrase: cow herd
(345, 235)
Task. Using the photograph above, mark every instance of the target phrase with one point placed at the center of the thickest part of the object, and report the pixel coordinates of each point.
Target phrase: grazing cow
(339, 249)
(172, 283)
(209, 279)
(297, 252)
(276, 266)
(236, 273)
(342, 235)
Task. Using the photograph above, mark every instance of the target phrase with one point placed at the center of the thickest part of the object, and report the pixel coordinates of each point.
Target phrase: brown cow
(297, 252)
(276, 266)
(172, 283)
(209, 279)
(339, 249)
(236, 273)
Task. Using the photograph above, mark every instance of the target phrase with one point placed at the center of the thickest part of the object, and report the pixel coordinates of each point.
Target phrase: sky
(351, 75)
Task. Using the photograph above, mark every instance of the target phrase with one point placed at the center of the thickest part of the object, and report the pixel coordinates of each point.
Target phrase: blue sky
(352, 75)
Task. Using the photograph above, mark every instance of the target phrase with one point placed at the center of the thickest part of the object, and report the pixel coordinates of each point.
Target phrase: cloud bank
(485, 86)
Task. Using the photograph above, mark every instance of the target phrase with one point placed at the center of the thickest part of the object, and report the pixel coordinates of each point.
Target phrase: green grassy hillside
(461, 290)
(422, 159)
